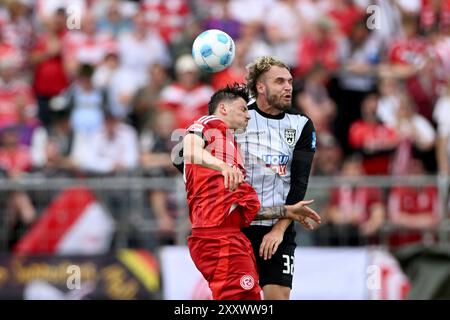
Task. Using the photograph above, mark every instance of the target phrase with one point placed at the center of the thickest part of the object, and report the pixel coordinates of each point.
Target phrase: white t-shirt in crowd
(104, 153)
(137, 55)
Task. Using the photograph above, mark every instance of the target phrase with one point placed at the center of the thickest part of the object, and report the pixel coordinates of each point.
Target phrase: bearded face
(281, 101)
(277, 90)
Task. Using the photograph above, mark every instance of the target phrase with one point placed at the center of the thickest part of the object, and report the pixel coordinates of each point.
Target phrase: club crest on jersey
(289, 136)
(247, 282)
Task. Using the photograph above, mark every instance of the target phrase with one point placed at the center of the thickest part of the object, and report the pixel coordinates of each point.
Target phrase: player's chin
(243, 125)
(286, 104)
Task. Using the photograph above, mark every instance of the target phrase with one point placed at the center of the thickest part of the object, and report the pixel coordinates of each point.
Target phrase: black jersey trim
(254, 106)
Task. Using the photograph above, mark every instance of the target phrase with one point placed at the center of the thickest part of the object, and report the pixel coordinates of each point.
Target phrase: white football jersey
(267, 147)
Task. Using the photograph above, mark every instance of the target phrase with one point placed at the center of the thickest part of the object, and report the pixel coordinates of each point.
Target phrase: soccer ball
(213, 50)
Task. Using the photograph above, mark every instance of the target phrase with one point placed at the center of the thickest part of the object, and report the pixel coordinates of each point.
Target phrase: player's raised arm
(194, 152)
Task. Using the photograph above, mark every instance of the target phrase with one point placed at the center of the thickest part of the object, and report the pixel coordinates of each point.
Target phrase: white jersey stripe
(201, 119)
(214, 118)
(205, 118)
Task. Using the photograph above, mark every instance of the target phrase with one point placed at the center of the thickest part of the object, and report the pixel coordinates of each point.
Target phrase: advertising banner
(319, 274)
(129, 274)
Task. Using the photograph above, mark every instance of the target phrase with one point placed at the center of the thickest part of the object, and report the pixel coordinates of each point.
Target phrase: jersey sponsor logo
(313, 141)
(289, 136)
(255, 132)
(247, 282)
(275, 159)
(277, 162)
(196, 127)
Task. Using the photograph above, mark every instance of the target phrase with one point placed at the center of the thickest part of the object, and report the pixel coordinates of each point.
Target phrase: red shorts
(225, 257)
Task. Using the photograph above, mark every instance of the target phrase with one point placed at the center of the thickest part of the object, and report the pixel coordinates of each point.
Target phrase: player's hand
(270, 243)
(301, 212)
(233, 177)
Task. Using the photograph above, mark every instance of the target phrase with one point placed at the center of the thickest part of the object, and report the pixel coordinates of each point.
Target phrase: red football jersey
(209, 202)
(363, 134)
(409, 51)
(412, 201)
(355, 200)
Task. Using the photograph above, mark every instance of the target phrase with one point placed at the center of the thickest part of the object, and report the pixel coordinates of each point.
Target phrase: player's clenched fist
(233, 177)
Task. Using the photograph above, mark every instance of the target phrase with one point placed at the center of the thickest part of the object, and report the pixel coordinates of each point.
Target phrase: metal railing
(133, 215)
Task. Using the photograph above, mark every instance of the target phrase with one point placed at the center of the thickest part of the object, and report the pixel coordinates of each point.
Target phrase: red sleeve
(196, 128)
(210, 131)
(247, 198)
(356, 135)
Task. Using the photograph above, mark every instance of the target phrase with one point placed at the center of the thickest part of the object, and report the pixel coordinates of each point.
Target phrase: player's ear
(260, 88)
(222, 108)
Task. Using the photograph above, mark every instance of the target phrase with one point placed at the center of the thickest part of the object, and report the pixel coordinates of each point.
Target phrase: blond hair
(258, 67)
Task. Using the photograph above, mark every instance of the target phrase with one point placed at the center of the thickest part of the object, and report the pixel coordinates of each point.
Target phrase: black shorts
(280, 268)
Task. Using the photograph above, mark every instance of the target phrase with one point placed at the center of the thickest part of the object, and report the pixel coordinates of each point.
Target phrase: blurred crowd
(96, 87)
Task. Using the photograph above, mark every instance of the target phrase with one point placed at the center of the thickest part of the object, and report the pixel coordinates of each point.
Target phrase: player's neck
(265, 107)
(227, 124)
(221, 118)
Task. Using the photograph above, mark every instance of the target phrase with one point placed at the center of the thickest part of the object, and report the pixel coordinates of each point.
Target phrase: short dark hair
(61, 11)
(86, 70)
(233, 92)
